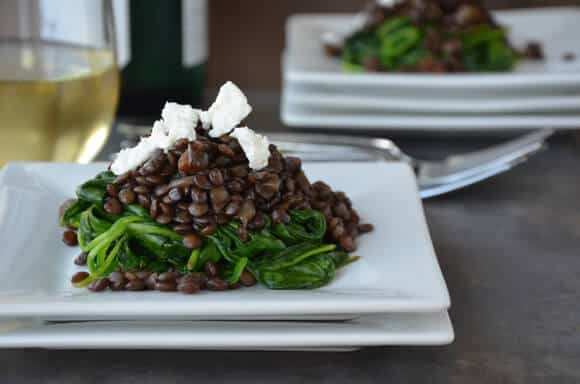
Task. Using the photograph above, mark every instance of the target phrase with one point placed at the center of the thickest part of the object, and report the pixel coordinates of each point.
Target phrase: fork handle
(461, 166)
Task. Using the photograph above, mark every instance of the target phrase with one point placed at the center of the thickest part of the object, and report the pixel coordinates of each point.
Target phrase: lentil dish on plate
(435, 36)
(199, 215)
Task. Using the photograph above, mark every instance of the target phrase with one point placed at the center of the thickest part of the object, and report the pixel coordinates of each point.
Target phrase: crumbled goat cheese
(130, 158)
(255, 146)
(178, 122)
(333, 39)
(388, 3)
(205, 119)
(228, 110)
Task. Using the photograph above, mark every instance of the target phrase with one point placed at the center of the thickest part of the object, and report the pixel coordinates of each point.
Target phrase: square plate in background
(316, 117)
(398, 270)
(311, 96)
(555, 28)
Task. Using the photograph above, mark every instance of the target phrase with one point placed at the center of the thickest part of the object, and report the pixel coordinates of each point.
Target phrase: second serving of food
(205, 203)
(435, 36)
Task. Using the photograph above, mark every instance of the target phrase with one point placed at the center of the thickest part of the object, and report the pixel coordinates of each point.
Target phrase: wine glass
(59, 80)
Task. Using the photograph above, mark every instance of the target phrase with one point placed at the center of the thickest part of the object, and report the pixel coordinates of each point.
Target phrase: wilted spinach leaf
(305, 225)
(313, 272)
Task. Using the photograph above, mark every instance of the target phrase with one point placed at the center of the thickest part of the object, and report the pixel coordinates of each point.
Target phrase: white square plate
(315, 117)
(556, 28)
(397, 272)
(373, 330)
(336, 100)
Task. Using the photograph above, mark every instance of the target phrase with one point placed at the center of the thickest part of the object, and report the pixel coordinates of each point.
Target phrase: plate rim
(450, 105)
(386, 121)
(433, 328)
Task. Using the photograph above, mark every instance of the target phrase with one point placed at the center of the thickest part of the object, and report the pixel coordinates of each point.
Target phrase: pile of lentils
(197, 185)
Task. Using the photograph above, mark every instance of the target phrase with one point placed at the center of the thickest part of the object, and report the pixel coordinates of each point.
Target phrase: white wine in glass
(57, 98)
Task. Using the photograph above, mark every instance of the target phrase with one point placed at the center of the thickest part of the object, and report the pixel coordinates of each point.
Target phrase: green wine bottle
(168, 41)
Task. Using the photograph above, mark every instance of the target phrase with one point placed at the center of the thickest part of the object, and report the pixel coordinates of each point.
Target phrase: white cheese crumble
(333, 39)
(178, 122)
(205, 119)
(388, 3)
(228, 110)
(255, 147)
(130, 158)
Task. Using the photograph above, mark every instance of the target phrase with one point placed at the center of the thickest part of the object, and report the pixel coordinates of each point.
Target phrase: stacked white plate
(394, 295)
(317, 93)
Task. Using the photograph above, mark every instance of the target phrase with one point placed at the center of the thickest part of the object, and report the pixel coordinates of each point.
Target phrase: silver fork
(433, 177)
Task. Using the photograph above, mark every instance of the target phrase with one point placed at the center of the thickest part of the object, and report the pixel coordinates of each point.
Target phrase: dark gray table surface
(509, 251)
